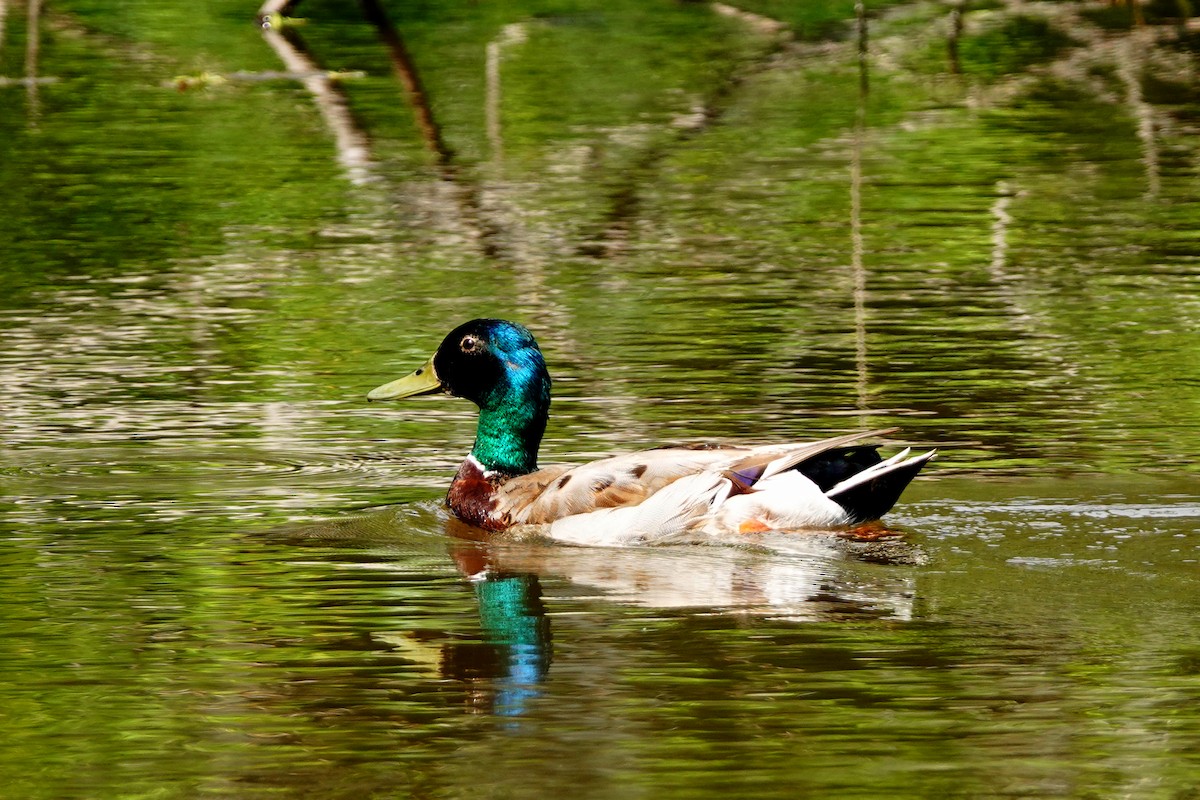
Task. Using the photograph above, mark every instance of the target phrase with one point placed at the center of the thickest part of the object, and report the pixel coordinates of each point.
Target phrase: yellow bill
(423, 381)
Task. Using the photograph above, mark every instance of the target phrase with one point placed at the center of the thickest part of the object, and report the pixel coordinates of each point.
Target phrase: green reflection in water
(715, 232)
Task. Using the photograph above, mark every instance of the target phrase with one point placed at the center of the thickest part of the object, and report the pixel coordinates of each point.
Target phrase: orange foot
(753, 525)
(869, 532)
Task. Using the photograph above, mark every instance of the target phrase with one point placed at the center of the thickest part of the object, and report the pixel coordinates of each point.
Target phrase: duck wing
(671, 515)
(627, 480)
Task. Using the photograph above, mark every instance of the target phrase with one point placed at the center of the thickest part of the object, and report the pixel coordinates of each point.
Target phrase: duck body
(662, 495)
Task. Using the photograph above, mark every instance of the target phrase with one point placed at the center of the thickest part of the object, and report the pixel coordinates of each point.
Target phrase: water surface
(226, 574)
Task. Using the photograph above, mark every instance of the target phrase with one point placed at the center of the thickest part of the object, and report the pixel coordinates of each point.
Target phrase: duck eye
(469, 344)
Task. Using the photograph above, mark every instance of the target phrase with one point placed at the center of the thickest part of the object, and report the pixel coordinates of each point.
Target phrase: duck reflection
(783, 576)
(504, 662)
(506, 668)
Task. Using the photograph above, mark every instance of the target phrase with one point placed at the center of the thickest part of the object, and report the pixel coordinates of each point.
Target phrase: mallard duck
(665, 494)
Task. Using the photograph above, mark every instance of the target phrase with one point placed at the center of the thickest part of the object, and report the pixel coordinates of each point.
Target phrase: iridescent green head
(496, 365)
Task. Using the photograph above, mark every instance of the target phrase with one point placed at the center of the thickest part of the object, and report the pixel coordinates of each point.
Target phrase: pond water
(225, 574)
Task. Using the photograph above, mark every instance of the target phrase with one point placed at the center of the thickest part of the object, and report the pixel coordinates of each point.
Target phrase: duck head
(497, 365)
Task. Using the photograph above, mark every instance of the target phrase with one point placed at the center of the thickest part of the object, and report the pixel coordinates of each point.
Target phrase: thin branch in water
(1000, 222)
(275, 8)
(860, 18)
(956, 31)
(207, 79)
(353, 147)
(40, 81)
(510, 35)
(856, 236)
(3, 15)
(1128, 64)
(765, 26)
(486, 230)
(406, 71)
(32, 45)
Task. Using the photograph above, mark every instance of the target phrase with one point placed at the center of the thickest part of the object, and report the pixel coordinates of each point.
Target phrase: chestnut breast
(472, 497)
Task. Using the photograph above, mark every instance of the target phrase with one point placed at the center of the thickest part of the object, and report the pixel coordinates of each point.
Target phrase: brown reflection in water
(406, 71)
(487, 231)
(956, 31)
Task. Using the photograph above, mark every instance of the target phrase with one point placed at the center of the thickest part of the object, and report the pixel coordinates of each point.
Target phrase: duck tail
(761, 463)
(871, 493)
